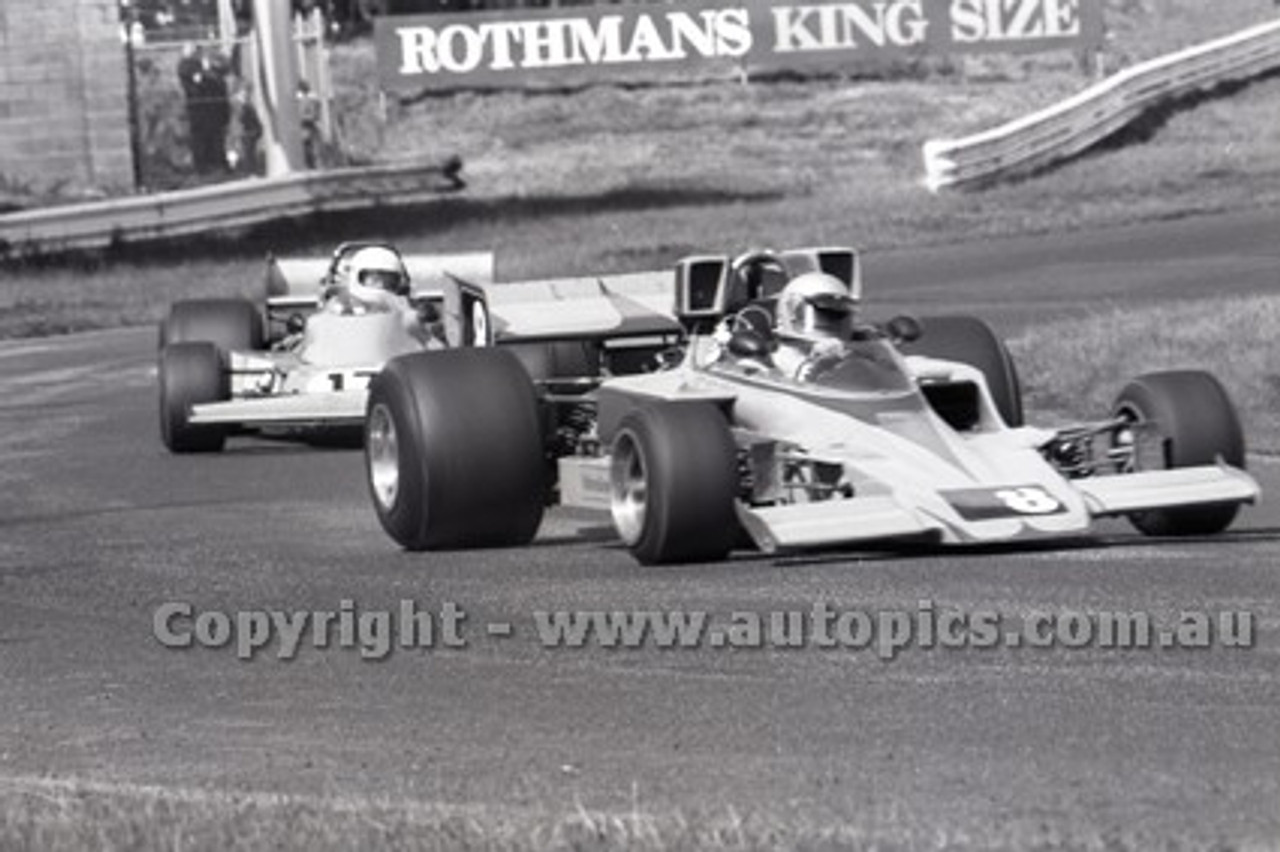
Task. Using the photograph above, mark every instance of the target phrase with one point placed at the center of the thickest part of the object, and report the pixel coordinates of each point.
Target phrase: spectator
(247, 153)
(309, 118)
(204, 85)
(216, 97)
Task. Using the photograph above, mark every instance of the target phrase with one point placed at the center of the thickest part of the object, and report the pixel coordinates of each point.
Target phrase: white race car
(301, 362)
(910, 430)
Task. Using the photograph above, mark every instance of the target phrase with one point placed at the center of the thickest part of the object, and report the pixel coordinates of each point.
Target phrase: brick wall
(63, 96)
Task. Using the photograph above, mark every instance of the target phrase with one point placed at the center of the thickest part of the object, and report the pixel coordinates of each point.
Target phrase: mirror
(903, 329)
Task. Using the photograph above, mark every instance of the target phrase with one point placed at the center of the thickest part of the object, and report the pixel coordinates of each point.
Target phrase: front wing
(585, 483)
(862, 519)
(1165, 489)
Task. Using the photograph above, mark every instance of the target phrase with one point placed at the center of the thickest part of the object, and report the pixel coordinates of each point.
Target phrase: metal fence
(1074, 125)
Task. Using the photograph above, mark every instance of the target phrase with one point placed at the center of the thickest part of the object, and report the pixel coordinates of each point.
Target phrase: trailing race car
(777, 418)
(303, 364)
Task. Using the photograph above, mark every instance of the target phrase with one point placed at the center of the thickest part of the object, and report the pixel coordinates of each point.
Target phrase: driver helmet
(816, 306)
(375, 270)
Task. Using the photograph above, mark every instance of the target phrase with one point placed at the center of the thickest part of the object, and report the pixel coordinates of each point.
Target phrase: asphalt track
(99, 527)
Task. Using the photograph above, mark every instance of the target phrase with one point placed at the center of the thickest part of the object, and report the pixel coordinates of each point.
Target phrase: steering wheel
(754, 318)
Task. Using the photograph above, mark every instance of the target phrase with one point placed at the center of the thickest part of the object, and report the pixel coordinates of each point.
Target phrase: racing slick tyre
(674, 477)
(231, 324)
(1197, 425)
(560, 359)
(190, 374)
(970, 340)
(453, 450)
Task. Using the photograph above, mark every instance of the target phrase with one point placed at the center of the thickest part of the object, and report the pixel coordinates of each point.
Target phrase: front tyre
(191, 374)
(673, 479)
(1196, 424)
(454, 452)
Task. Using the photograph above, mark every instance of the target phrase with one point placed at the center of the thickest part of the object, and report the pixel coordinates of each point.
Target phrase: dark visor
(380, 277)
(833, 302)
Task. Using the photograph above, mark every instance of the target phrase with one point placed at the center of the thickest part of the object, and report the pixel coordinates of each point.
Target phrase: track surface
(99, 526)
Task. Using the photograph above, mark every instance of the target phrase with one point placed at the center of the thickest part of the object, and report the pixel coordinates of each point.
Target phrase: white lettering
(793, 34)
(417, 50)
(544, 45)
(900, 23)
(733, 32)
(906, 23)
(603, 43)
(1025, 23)
(472, 49)
(1063, 17)
(1005, 20)
(500, 36)
(685, 31)
(856, 20)
(646, 42)
(967, 24)
(638, 37)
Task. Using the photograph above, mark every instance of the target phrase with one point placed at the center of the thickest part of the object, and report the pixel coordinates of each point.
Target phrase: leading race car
(777, 418)
(303, 364)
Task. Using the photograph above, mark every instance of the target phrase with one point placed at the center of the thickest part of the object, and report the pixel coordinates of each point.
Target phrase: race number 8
(1028, 501)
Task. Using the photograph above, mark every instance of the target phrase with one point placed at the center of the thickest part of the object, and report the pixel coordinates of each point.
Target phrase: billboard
(563, 46)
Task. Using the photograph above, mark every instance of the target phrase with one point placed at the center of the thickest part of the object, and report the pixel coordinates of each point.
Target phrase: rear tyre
(674, 478)
(191, 374)
(234, 325)
(1197, 425)
(564, 359)
(454, 452)
(972, 341)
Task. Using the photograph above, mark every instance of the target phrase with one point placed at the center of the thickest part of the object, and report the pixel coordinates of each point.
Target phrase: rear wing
(706, 290)
(598, 308)
(696, 293)
(296, 283)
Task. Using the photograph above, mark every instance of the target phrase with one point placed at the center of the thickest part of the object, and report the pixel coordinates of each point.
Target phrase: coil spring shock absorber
(746, 474)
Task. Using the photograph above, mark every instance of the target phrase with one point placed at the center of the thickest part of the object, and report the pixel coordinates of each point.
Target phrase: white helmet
(375, 270)
(816, 306)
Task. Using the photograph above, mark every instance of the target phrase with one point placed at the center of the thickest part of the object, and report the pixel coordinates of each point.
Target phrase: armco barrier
(1083, 120)
(220, 206)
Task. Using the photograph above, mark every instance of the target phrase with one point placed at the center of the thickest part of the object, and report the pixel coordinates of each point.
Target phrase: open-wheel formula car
(776, 419)
(300, 362)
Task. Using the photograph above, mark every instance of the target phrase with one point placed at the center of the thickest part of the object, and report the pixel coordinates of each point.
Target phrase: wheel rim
(1130, 438)
(1124, 441)
(629, 490)
(384, 457)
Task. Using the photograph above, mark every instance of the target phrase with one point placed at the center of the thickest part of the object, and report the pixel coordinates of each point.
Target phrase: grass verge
(1077, 367)
(51, 815)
